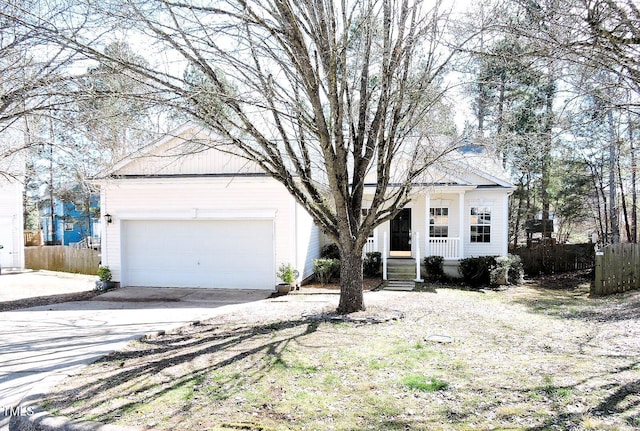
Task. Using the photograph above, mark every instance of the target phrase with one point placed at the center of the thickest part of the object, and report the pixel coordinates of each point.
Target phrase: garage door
(204, 253)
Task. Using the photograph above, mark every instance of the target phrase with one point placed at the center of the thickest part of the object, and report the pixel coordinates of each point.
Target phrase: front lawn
(523, 358)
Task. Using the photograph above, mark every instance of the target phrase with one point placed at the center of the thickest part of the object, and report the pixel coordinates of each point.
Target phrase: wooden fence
(552, 259)
(617, 269)
(62, 258)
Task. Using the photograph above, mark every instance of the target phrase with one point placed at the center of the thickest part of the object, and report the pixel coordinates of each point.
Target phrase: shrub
(475, 270)
(434, 267)
(330, 251)
(326, 269)
(516, 270)
(507, 270)
(286, 273)
(372, 263)
(104, 273)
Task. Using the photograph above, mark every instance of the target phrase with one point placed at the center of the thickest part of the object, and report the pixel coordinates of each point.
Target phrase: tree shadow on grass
(625, 399)
(572, 301)
(181, 362)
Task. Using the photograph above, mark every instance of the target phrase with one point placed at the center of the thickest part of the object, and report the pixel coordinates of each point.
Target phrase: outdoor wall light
(107, 218)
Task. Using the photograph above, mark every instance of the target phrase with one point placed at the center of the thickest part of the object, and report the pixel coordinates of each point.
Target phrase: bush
(330, 251)
(507, 270)
(475, 271)
(286, 273)
(372, 263)
(326, 269)
(104, 273)
(434, 267)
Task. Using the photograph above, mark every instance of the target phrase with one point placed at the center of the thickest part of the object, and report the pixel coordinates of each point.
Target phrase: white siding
(307, 242)
(11, 225)
(196, 199)
(12, 170)
(496, 200)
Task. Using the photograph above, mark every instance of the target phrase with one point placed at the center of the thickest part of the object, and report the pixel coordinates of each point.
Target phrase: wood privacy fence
(617, 269)
(62, 258)
(551, 259)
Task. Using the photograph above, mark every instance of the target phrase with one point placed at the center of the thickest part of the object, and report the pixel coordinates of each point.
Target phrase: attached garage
(235, 254)
(176, 217)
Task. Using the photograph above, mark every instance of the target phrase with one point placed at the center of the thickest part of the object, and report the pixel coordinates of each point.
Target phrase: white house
(459, 209)
(207, 218)
(12, 170)
(204, 219)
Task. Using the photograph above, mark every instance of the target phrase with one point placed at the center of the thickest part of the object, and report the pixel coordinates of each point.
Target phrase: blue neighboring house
(74, 219)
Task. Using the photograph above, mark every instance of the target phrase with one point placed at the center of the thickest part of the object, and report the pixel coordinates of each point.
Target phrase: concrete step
(400, 285)
(401, 262)
(401, 277)
(401, 269)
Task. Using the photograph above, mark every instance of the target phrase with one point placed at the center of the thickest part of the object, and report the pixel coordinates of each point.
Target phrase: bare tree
(35, 79)
(319, 94)
(33, 68)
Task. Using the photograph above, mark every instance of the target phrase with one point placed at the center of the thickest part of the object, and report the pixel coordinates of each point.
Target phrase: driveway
(41, 345)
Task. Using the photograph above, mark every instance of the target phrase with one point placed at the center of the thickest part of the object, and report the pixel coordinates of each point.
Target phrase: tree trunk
(634, 193)
(613, 208)
(595, 180)
(519, 210)
(546, 159)
(623, 199)
(351, 296)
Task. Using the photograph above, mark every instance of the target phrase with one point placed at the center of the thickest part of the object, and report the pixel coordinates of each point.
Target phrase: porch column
(384, 257)
(418, 264)
(463, 228)
(427, 207)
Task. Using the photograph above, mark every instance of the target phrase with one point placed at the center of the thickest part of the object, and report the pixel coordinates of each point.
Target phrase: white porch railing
(370, 246)
(449, 248)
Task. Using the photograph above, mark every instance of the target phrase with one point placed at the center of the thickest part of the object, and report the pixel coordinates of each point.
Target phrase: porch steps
(400, 285)
(401, 274)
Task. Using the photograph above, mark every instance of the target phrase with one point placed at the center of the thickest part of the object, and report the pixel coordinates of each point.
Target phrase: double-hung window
(480, 223)
(438, 222)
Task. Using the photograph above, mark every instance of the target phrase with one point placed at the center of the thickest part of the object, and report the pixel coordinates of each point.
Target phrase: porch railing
(449, 248)
(370, 246)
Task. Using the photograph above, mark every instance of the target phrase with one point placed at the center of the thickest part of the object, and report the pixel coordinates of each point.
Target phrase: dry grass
(526, 358)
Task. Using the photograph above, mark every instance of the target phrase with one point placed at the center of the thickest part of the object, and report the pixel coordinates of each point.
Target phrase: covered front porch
(432, 224)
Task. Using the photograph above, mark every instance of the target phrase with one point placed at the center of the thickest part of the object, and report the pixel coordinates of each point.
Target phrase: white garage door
(204, 253)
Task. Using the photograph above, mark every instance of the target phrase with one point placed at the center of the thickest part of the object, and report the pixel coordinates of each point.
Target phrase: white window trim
(483, 206)
(448, 225)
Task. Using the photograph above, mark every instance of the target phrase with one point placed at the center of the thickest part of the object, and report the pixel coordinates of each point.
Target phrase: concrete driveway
(41, 345)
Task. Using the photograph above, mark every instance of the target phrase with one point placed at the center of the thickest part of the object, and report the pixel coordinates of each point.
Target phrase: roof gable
(190, 150)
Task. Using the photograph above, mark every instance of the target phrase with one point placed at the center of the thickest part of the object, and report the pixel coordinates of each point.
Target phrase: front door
(401, 231)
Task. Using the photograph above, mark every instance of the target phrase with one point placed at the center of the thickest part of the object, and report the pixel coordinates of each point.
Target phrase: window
(480, 224)
(439, 222)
